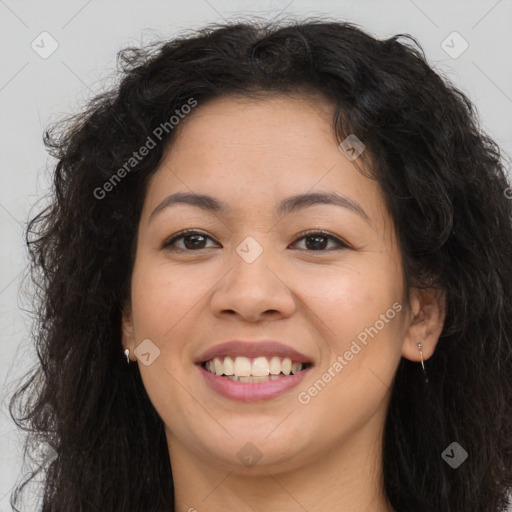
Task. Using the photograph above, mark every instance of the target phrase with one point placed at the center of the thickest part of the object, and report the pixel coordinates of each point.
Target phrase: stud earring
(420, 346)
(127, 354)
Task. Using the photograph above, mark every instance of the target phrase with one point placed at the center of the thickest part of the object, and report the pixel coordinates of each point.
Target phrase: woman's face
(252, 274)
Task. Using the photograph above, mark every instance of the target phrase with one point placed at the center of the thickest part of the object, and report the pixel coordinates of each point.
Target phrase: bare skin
(320, 454)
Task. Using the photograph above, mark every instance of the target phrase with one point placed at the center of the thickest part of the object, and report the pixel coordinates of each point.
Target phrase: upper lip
(252, 349)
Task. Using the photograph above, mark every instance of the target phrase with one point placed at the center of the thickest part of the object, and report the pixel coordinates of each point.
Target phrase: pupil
(188, 237)
(315, 245)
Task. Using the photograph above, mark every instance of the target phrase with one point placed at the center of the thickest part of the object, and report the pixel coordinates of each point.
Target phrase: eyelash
(307, 234)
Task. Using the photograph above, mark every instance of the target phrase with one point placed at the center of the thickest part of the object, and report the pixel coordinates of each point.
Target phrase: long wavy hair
(444, 182)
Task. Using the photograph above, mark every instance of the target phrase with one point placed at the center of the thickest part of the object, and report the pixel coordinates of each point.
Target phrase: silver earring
(127, 354)
(420, 346)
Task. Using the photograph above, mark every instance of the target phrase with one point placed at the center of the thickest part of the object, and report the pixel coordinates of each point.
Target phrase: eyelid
(339, 241)
(180, 234)
(336, 239)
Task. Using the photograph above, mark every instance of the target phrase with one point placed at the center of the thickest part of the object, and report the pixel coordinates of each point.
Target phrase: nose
(254, 289)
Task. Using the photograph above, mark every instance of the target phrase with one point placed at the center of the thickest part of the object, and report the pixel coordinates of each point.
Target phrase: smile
(254, 369)
(252, 379)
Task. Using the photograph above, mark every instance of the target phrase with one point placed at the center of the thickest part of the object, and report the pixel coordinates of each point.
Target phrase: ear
(427, 314)
(127, 335)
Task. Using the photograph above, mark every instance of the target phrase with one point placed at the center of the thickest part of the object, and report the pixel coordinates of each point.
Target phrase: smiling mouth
(253, 369)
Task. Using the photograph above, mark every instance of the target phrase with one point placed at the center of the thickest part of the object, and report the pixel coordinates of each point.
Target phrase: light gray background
(35, 91)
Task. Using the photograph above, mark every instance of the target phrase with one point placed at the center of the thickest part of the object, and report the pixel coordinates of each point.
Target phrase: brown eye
(318, 240)
(195, 240)
(192, 240)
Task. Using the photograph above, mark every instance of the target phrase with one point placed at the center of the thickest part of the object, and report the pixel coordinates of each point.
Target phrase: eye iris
(314, 242)
(315, 245)
(194, 245)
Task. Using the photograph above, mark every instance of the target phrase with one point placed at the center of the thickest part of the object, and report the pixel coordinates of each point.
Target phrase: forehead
(253, 152)
(271, 120)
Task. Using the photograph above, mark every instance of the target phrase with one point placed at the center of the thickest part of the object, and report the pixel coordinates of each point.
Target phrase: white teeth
(286, 366)
(242, 367)
(296, 367)
(260, 367)
(275, 366)
(252, 379)
(229, 366)
(219, 367)
(261, 378)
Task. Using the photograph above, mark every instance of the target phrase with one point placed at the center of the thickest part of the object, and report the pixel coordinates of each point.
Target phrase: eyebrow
(286, 206)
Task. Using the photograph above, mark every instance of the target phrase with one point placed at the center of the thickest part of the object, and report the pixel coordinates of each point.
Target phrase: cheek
(361, 336)
(161, 296)
(358, 323)
(348, 299)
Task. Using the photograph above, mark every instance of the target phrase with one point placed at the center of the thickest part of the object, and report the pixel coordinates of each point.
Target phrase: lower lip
(252, 391)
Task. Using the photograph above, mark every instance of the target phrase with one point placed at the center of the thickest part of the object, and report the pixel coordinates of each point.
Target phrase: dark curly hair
(445, 185)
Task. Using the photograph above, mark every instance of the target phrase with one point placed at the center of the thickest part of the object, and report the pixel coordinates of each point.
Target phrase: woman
(275, 275)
